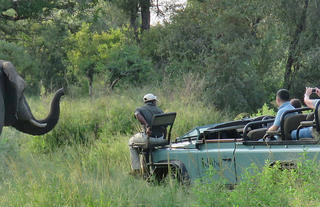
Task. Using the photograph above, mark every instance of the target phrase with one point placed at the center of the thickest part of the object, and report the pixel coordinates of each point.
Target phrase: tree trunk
(90, 87)
(145, 14)
(89, 74)
(133, 21)
(293, 50)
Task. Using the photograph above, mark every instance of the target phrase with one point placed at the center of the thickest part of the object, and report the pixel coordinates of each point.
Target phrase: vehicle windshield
(196, 131)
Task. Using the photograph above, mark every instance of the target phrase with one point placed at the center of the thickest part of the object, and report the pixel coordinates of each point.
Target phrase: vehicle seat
(312, 122)
(159, 120)
(291, 123)
(163, 120)
(256, 134)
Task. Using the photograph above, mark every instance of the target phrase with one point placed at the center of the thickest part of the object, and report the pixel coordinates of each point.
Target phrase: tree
(90, 51)
(125, 63)
(25, 64)
(292, 65)
(132, 8)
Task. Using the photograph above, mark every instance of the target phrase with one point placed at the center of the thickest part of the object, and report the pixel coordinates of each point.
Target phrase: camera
(314, 90)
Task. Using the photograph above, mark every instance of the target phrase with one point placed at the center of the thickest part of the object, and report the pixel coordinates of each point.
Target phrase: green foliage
(78, 176)
(91, 50)
(126, 63)
(49, 49)
(218, 41)
(214, 55)
(84, 121)
(245, 51)
(25, 8)
(24, 63)
(91, 170)
(82, 124)
(265, 111)
(269, 186)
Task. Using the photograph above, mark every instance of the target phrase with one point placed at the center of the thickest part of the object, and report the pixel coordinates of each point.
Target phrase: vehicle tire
(172, 172)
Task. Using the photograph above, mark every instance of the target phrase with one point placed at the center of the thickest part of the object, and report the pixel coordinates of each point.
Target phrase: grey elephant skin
(14, 109)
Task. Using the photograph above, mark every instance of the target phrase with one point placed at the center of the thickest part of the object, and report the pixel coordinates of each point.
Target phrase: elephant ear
(14, 78)
(15, 86)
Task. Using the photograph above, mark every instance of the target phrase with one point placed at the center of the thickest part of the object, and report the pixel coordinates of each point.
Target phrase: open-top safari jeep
(231, 147)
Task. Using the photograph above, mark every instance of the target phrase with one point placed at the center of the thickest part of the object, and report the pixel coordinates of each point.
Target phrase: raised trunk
(39, 127)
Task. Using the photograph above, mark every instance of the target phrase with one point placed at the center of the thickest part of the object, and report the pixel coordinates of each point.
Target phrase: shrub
(83, 121)
(269, 186)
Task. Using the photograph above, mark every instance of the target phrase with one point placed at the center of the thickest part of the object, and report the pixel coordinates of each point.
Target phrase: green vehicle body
(193, 153)
(230, 160)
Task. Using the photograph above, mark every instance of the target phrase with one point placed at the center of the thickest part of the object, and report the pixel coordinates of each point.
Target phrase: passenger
(282, 100)
(311, 103)
(144, 115)
(296, 103)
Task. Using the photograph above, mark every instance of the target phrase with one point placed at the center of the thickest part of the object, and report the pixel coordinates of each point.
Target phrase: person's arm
(307, 100)
(142, 120)
(273, 128)
(276, 124)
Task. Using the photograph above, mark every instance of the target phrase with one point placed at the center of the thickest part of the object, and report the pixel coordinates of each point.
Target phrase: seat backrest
(256, 134)
(292, 122)
(164, 120)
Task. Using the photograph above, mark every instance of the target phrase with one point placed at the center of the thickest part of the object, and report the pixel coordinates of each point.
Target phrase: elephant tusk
(38, 124)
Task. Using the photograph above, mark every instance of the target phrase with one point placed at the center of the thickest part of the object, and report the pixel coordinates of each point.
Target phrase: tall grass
(84, 161)
(79, 176)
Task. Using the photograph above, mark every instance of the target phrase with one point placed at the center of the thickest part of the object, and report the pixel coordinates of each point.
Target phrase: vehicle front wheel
(172, 172)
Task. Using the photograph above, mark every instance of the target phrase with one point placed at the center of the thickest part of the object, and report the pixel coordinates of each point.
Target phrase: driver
(144, 115)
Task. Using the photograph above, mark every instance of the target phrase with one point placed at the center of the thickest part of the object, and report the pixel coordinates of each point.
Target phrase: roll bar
(246, 128)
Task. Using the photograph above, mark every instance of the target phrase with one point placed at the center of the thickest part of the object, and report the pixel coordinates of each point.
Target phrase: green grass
(85, 161)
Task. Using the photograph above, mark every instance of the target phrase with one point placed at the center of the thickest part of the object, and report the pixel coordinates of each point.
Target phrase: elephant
(14, 109)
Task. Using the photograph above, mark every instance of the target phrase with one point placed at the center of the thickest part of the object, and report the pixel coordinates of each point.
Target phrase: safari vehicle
(229, 147)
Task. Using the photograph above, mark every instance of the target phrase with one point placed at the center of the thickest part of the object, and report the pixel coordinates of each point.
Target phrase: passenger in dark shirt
(144, 115)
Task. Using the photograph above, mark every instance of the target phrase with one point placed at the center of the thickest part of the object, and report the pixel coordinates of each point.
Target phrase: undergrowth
(84, 161)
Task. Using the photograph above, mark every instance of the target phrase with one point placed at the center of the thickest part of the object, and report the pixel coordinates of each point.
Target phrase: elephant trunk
(28, 124)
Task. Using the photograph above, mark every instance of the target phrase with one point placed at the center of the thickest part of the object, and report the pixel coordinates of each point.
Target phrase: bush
(83, 121)
(270, 186)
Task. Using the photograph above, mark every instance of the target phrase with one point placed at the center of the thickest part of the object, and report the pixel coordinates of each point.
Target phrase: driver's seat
(145, 149)
(163, 120)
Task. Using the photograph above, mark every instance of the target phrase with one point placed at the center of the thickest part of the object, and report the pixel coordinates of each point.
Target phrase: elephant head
(14, 109)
